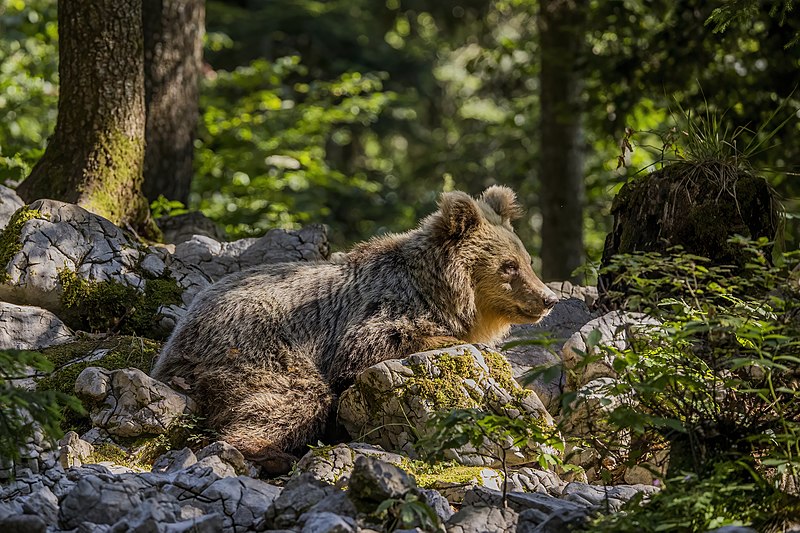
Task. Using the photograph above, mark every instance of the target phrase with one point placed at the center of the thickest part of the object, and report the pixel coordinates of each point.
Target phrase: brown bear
(266, 351)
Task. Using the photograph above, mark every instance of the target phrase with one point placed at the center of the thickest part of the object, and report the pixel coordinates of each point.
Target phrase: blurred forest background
(358, 113)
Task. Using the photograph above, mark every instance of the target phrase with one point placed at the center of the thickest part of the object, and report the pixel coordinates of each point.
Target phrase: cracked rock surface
(335, 464)
(66, 237)
(217, 259)
(129, 403)
(24, 327)
(388, 397)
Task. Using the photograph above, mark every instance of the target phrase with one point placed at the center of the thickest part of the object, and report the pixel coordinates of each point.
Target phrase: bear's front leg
(438, 342)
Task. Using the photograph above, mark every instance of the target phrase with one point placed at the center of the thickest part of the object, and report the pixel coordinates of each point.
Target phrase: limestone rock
(299, 495)
(9, 203)
(472, 519)
(102, 501)
(390, 403)
(129, 403)
(532, 346)
(242, 501)
(614, 329)
(565, 289)
(24, 327)
(174, 461)
(374, 481)
(63, 236)
(217, 259)
(73, 451)
(560, 520)
(334, 464)
(55, 241)
(611, 497)
(227, 454)
(25, 523)
(327, 523)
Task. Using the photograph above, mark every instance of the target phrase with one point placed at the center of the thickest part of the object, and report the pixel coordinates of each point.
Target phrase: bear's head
(506, 290)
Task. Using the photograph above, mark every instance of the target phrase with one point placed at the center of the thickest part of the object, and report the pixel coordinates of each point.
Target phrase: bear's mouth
(531, 316)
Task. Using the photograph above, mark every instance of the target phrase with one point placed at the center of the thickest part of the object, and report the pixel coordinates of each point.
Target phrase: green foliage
(161, 207)
(742, 11)
(728, 494)
(408, 512)
(717, 379)
(22, 411)
(266, 160)
(28, 83)
(492, 435)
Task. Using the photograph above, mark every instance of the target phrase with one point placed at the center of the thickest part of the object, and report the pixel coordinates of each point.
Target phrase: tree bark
(173, 52)
(561, 132)
(94, 158)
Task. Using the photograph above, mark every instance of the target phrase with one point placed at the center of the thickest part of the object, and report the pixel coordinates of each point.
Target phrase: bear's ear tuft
(503, 201)
(459, 215)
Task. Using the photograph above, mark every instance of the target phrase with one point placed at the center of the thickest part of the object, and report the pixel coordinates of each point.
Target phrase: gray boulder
(129, 403)
(24, 327)
(73, 451)
(536, 346)
(217, 259)
(54, 243)
(299, 495)
(614, 330)
(472, 519)
(374, 481)
(390, 403)
(103, 500)
(334, 464)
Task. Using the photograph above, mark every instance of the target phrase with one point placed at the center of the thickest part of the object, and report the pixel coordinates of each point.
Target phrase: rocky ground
(142, 461)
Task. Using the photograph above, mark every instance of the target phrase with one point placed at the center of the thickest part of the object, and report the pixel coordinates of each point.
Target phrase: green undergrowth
(730, 494)
(112, 353)
(102, 306)
(10, 237)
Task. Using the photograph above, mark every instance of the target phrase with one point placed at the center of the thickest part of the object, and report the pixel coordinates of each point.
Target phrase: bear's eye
(509, 267)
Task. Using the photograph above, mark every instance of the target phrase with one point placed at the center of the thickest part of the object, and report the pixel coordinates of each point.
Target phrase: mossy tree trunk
(561, 24)
(173, 53)
(95, 156)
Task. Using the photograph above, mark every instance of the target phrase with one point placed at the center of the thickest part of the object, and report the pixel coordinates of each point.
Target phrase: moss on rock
(446, 390)
(10, 243)
(500, 370)
(100, 306)
(111, 353)
(428, 475)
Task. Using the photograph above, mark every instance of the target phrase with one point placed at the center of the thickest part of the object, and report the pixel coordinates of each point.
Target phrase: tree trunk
(561, 24)
(94, 158)
(173, 52)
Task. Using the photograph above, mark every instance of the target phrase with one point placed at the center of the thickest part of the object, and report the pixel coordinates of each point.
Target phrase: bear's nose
(550, 301)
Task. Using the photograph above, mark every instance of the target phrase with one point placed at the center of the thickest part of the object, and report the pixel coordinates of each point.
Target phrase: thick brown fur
(265, 351)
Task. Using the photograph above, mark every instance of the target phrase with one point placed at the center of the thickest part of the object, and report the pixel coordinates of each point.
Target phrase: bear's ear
(503, 201)
(459, 215)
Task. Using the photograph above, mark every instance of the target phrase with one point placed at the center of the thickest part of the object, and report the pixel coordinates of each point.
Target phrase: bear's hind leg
(268, 414)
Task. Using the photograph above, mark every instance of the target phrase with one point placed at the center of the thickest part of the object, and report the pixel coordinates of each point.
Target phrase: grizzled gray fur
(265, 351)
